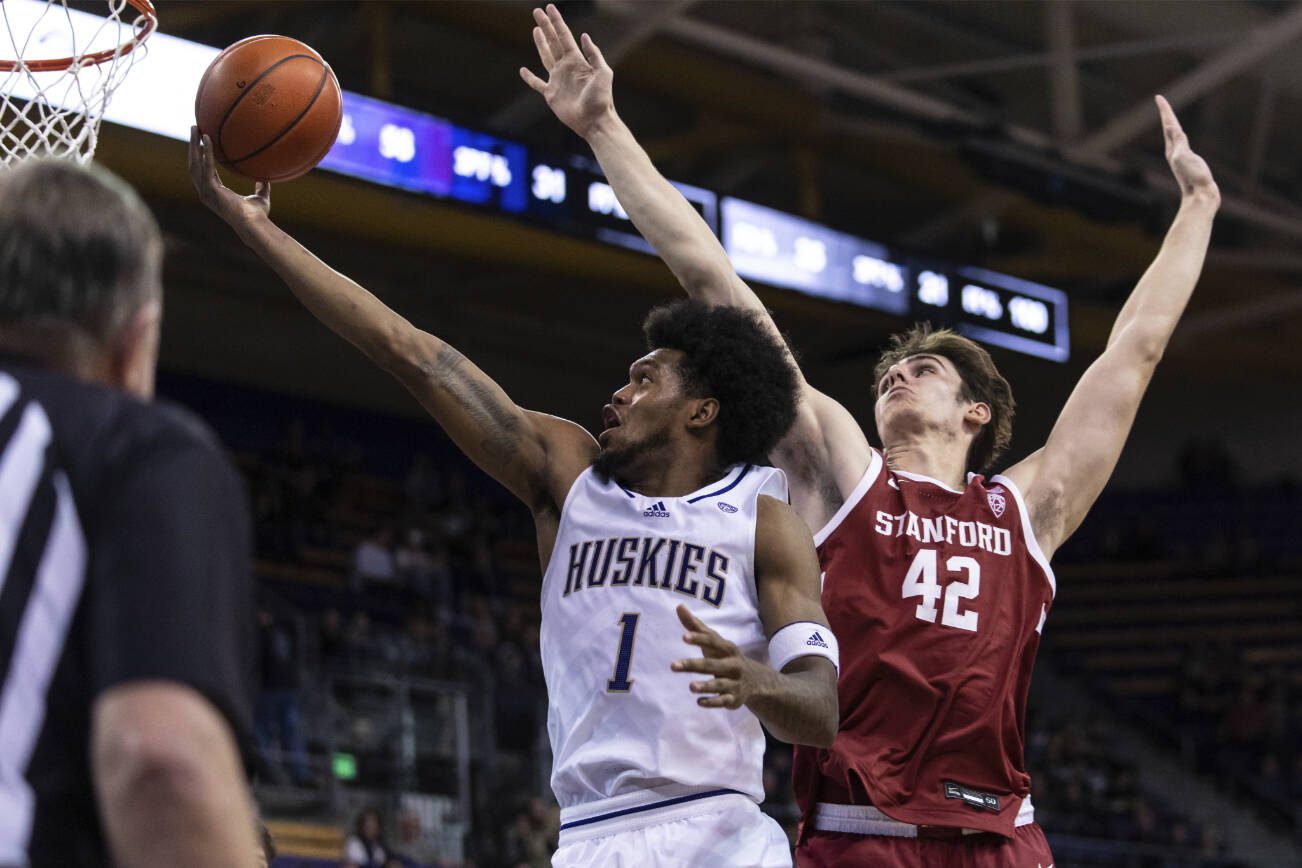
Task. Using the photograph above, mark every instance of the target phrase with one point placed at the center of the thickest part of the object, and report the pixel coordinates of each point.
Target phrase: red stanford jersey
(937, 598)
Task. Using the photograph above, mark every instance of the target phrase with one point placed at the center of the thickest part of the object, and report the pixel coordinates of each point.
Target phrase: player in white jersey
(668, 521)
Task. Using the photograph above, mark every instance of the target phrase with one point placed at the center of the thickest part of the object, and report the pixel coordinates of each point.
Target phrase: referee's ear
(133, 351)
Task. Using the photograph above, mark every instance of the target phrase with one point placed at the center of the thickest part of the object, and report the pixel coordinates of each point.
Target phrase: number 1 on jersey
(624, 657)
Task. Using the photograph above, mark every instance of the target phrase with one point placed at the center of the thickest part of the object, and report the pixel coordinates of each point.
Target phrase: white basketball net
(56, 112)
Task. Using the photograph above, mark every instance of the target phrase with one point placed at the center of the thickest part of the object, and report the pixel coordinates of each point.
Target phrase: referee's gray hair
(78, 247)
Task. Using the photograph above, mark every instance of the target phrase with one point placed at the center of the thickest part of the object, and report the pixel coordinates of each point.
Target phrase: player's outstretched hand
(1190, 170)
(578, 85)
(229, 205)
(737, 678)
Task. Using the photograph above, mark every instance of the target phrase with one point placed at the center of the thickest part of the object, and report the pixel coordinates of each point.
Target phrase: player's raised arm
(826, 448)
(1062, 480)
(534, 455)
(795, 698)
(578, 90)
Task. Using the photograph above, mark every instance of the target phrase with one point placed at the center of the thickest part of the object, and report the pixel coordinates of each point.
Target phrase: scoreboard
(784, 250)
(384, 143)
(398, 147)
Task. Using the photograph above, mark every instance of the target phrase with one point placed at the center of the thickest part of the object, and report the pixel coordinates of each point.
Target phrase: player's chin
(610, 459)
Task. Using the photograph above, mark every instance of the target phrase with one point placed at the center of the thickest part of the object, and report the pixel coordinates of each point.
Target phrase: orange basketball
(271, 106)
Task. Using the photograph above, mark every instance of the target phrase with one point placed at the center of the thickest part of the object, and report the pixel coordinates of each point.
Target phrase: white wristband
(803, 639)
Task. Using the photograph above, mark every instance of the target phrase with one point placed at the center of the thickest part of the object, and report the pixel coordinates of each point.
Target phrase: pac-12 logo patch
(997, 503)
(727, 507)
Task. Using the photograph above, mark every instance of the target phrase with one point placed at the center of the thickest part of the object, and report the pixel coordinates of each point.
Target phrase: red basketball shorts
(1026, 849)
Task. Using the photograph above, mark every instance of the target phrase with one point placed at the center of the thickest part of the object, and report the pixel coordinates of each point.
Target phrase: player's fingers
(209, 161)
(714, 685)
(262, 192)
(592, 52)
(712, 643)
(704, 665)
(533, 81)
(1171, 129)
(723, 700)
(548, 28)
(544, 50)
(690, 621)
(562, 29)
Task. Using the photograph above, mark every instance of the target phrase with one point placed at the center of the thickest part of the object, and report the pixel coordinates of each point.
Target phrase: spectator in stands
(516, 703)
(361, 641)
(455, 519)
(481, 625)
(278, 726)
(412, 645)
(532, 837)
(441, 590)
(444, 660)
(364, 848)
(413, 844)
(412, 561)
(373, 560)
(333, 640)
(484, 563)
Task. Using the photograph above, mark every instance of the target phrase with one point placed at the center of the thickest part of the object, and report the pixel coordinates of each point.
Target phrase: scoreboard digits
(398, 147)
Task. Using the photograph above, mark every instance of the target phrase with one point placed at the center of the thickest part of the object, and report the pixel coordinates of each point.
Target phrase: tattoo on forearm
(499, 424)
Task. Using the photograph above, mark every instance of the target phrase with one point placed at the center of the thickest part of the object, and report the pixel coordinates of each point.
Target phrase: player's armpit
(1061, 480)
(824, 456)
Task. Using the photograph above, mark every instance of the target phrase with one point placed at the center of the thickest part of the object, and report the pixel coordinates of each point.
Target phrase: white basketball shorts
(718, 829)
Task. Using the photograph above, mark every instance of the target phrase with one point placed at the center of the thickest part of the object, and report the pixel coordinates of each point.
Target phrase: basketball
(271, 106)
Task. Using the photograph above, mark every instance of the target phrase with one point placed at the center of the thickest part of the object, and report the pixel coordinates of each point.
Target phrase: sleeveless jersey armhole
(869, 477)
(1032, 544)
(564, 517)
(774, 485)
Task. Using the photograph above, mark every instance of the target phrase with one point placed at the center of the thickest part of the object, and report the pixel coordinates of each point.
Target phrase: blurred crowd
(1085, 788)
(1239, 720)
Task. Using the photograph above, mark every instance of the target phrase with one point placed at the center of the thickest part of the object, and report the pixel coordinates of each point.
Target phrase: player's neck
(942, 462)
(672, 476)
(64, 350)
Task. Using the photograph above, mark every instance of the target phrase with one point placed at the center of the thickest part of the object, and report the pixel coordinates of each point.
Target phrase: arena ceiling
(1020, 136)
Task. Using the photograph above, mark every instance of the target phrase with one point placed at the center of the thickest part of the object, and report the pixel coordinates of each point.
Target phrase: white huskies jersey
(619, 719)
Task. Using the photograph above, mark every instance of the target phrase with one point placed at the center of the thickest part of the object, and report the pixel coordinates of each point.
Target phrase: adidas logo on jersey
(816, 640)
(656, 510)
(727, 507)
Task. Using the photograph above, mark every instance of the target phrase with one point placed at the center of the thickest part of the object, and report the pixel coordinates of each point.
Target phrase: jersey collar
(918, 477)
(727, 483)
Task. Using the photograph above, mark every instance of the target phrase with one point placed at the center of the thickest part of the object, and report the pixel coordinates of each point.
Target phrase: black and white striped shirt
(125, 554)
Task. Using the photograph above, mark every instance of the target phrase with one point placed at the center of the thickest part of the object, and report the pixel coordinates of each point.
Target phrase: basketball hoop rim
(58, 64)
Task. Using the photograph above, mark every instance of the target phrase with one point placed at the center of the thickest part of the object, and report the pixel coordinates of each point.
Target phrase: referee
(125, 601)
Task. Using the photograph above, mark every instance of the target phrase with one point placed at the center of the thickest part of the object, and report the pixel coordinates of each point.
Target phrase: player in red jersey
(937, 580)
